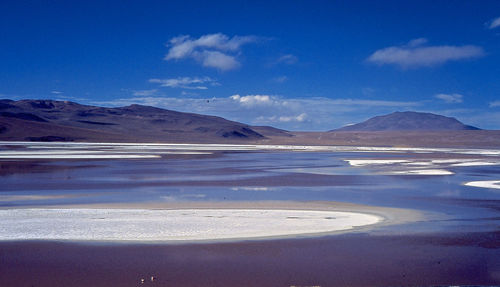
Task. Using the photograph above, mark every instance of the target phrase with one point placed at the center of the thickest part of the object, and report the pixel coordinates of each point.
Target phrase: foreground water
(459, 228)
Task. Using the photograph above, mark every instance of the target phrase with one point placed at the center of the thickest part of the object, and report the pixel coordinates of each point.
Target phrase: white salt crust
(171, 225)
(484, 184)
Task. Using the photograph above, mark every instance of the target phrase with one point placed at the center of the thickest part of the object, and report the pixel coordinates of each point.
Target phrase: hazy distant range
(48, 120)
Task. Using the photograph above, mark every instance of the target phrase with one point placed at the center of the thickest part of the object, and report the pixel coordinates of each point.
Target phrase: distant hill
(48, 120)
(409, 121)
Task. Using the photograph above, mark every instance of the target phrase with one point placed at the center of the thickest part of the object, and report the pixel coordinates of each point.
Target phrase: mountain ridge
(70, 121)
(48, 120)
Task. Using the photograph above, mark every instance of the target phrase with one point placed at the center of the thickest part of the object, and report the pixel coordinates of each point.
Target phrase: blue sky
(297, 65)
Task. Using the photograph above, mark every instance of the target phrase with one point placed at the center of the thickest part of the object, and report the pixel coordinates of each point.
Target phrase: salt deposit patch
(418, 163)
(420, 167)
(400, 167)
(477, 163)
(171, 225)
(234, 147)
(78, 156)
(449, 161)
(365, 162)
(424, 172)
(91, 154)
(484, 183)
(31, 197)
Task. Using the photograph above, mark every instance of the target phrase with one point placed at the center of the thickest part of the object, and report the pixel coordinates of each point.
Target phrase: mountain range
(50, 120)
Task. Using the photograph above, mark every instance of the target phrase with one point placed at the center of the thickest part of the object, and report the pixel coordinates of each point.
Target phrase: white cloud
(415, 55)
(299, 118)
(194, 83)
(495, 23)
(281, 119)
(218, 60)
(211, 50)
(495, 104)
(145, 93)
(56, 92)
(288, 59)
(450, 98)
(252, 100)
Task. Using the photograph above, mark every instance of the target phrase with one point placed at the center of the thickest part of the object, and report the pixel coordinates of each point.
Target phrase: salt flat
(146, 225)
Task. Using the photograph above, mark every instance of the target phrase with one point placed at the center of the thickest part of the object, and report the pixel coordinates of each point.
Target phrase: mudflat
(354, 260)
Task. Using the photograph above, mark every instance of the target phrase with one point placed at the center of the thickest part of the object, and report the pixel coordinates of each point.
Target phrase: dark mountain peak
(408, 121)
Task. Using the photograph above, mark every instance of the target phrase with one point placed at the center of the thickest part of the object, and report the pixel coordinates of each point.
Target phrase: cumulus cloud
(56, 92)
(211, 50)
(450, 98)
(252, 100)
(416, 54)
(495, 104)
(281, 119)
(495, 23)
(218, 60)
(195, 83)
